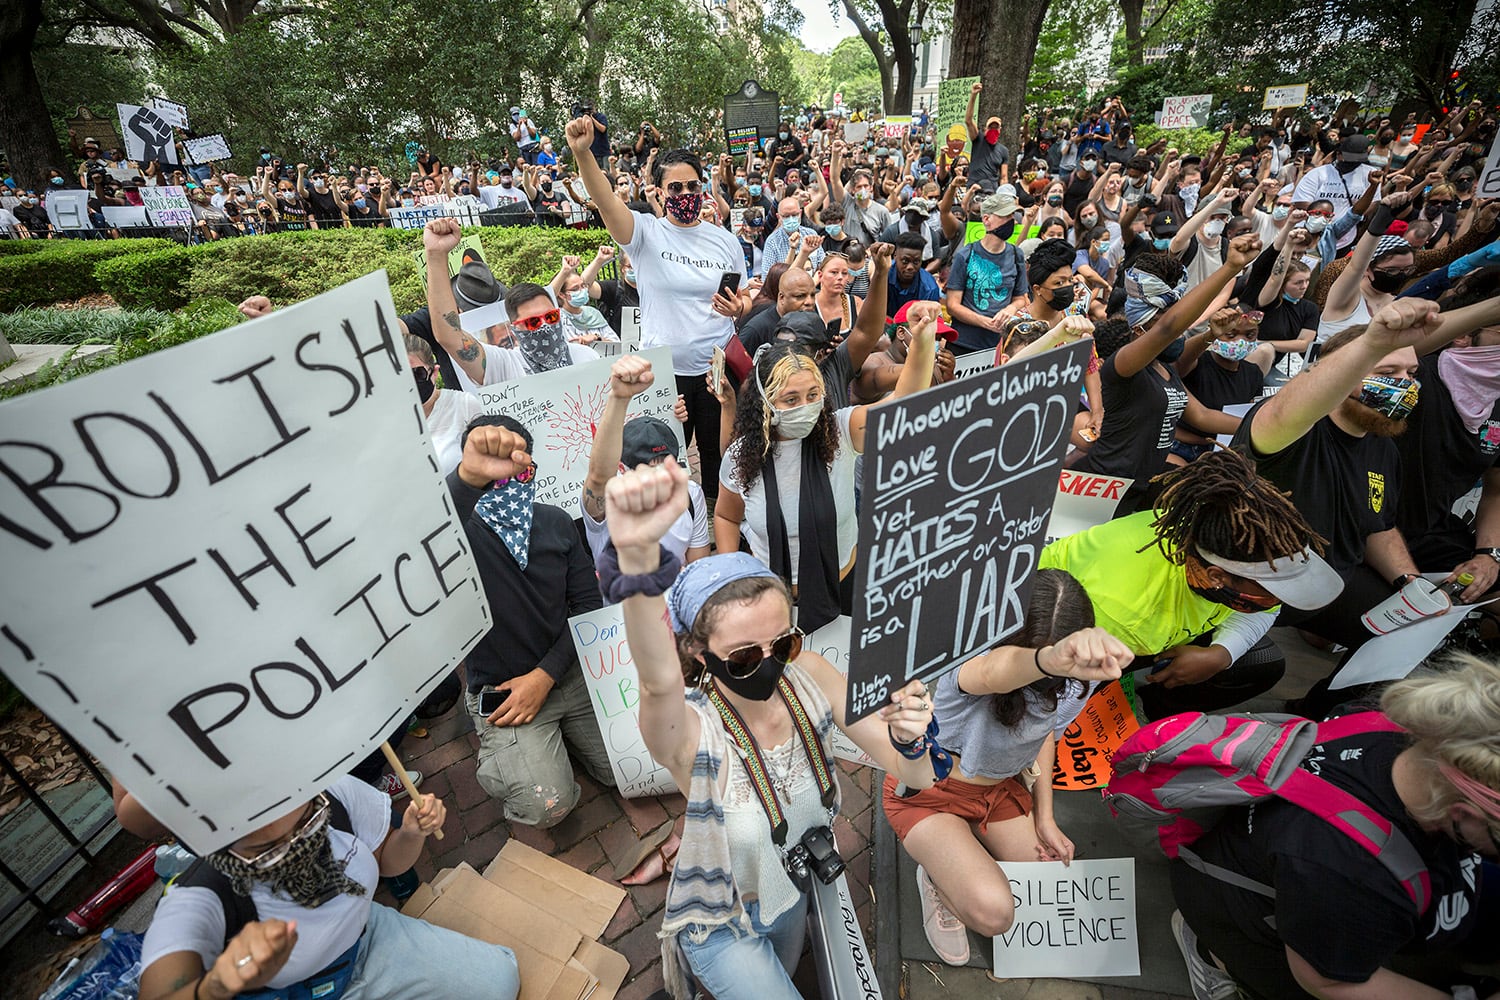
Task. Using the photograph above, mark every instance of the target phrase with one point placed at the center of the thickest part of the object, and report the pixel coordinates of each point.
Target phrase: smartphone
(491, 699)
(717, 370)
(729, 283)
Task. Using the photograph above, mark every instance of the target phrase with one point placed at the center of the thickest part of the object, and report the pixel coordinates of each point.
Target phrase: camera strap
(760, 780)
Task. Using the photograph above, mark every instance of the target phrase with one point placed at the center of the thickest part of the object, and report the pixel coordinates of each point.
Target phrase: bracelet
(1036, 659)
(198, 984)
(617, 586)
(911, 750)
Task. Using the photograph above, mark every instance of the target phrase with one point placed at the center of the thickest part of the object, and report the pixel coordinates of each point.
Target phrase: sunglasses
(690, 187)
(535, 323)
(275, 853)
(1436, 203)
(1405, 272)
(526, 475)
(745, 660)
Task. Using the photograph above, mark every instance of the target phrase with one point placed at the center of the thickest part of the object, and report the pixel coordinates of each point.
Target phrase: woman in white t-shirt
(448, 411)
(788, 482)
(680, 262)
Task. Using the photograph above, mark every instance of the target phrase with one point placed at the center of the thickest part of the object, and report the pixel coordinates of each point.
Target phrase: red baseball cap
(943, 329)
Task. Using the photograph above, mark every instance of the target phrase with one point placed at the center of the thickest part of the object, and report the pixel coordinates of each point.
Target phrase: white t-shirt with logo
(1343, 190)
(495, 195)
(445, 425)
(678, 269)
(502, 364)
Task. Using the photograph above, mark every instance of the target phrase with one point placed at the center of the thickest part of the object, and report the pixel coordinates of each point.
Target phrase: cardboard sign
(68, 209)
(751, 108)
(168, 206)
(960, 481)
(174, 114)
(896, 126)
(207, 581)
(614, 691)
(1071, 923)
(561, 408)
(1488, 185)
(630, 335)
(1083, 501)
(124, 216)
(147, 134)
(1186, 112)
(208, 148)
(1291, 95)
(1090, 741)
(952, 107)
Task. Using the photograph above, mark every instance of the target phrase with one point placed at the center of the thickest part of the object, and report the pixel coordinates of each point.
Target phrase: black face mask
(759, 686)
(1231, 599)
(1387, 283)
(1002, 232)
(1172, 351)
(1346, 166)
(1061, 298)
(425, 386)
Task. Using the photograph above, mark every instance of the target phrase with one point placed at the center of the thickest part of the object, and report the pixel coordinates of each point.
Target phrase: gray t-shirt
(992, 750)
(865, 224)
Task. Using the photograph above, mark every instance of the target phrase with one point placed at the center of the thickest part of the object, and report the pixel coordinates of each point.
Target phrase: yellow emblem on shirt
(1377, 491)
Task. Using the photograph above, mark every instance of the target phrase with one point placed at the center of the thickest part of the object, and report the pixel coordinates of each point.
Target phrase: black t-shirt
(1217, 387)
(1346, 487)
(419, 325)
(838, 372)
(984, 166)
(321, 204)
(1140, 418)
(1336, 905)
(1077, 191)
(614, 297)
(1441, 460)
(1285, 320)
(759, 328)
(788, 149)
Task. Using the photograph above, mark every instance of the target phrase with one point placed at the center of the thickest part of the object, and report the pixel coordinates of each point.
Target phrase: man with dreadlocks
(1192, 586)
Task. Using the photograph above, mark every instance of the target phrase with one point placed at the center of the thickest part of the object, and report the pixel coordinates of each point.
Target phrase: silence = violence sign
(959, 483)
(231, 568)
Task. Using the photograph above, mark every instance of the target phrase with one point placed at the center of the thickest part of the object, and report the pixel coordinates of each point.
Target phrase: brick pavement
(600, 828)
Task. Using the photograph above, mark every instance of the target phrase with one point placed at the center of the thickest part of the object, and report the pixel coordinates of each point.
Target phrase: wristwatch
(1492, 553)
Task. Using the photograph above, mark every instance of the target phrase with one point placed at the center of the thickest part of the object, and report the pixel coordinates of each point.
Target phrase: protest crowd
(1291, 374)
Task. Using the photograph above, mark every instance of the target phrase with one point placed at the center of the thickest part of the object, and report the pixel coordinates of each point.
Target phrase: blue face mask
(791, 223)
(359, 203)
(58, 182)
(755, 190)
(782, 134)
(836, 231)
(579, 298)
(1161, 243)
(1291, 300)
(630, 275)
(739, 182)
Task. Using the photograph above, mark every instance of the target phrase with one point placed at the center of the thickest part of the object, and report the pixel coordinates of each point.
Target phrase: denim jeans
(402, 958)
(755, 966)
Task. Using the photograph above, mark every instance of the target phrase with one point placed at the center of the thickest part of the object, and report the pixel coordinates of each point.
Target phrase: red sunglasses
(535, 323)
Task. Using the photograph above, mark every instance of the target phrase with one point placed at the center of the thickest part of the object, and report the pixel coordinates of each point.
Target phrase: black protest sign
(232, 568)
(959, 483)
(750, 108)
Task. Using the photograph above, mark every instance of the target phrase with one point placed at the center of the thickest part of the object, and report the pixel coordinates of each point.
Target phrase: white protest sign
(1084, 501)
(630, 335)
(147, 134)
(1392, 656)
(1489, 178)
(1186, 112)
(1236, 410)
(480, 319)
(561, 409)
(1071, 923)
(172, 113)
(123, 174)
(896, 126)
(614, 691)
(973, 363)
(124, 216)
(856, 132)
(68, 209)
(208, 148)
(207, 580)
(168, 206)
(1291, 95)
(417, 216)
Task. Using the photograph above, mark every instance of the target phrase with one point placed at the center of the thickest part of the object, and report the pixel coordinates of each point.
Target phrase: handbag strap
(760, 780)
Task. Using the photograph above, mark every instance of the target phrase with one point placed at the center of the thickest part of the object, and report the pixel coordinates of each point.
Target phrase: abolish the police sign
(231, 568)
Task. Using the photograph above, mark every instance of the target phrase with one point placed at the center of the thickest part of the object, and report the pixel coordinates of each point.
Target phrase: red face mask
(992, 135)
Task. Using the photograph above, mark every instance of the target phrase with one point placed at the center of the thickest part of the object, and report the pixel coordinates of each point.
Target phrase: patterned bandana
(507, 510)
(702, 579)
(1147, 295)
(308, 875)
(545, 349)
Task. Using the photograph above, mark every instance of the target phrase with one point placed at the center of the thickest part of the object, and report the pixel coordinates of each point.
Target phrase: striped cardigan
(702, 895)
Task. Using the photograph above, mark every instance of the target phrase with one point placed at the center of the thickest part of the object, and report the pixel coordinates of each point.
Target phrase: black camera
(816, 854)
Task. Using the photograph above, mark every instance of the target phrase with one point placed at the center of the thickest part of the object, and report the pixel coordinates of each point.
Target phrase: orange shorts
(982, 804)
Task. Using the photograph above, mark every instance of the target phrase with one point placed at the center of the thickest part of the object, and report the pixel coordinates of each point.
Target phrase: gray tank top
(988, 748)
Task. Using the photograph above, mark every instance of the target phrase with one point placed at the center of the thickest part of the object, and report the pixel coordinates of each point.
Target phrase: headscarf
(1146, 295)
(1388, 243)
(1472, 377)
(701, 579)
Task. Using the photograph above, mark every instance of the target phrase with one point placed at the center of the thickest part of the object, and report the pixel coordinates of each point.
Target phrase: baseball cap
(1303, 580)
(645, 440)
(1165, 224)
(1223, 208)
(1355, 148)
(1002, 202)
(806, 325)
(921, 206)
(943, 329)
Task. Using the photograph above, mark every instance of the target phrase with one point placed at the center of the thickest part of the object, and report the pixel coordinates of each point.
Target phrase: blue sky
(820, 31)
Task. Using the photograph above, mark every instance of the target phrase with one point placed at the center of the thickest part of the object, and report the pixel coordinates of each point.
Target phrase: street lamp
(916, 36)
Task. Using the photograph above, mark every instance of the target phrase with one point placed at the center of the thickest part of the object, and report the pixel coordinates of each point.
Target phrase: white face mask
(1281, 212)
(798, 421)
(1315, 224)
(1213, 230)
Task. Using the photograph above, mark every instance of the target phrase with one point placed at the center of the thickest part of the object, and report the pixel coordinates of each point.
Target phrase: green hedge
(59, 270)
(1194, 141)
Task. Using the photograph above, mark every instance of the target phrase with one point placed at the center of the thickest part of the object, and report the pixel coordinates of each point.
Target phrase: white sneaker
(392, 786)
(945, 932)
(1208, 980)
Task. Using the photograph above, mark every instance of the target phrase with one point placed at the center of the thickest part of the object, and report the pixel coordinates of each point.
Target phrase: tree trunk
(1133, 10)
(25, 126)
(970, 19)
(1005, 62)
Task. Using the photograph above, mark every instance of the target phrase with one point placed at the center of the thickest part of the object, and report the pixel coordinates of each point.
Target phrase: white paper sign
(124, 216)
(168, 206)
(630, 335)
(1084, 501)
(1489, 178)
(207, 579)
(172, 113)
(1071, 923)
(614, 691)
(856, 132)
(147, 134)
(973, 363)
(561, 409)
(1392, 656)
(68, 209)
(208, 148)
(1186, 112)
(1292, 95)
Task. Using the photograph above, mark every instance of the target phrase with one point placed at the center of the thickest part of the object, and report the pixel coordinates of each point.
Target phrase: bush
(156, 279)
(1194, 141)
(61, 269)
(78, 326)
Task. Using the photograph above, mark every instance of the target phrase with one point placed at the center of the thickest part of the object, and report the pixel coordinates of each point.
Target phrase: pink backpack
(1174, 778)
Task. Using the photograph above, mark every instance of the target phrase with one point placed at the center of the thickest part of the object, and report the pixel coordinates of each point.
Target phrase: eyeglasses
(745, 660)
(679, 187)
(526, 475)
(535, 323)
(275, 853)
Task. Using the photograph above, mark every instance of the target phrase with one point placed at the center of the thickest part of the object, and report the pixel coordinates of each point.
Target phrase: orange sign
(1086, 747)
